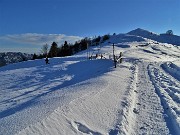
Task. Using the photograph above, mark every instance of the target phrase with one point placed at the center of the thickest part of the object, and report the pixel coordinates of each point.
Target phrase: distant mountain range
(13, 57)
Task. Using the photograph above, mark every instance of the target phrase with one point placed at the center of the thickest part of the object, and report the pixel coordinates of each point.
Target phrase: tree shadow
(78, 71)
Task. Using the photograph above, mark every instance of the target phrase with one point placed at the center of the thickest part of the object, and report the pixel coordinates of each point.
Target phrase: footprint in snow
(135, 111)
(84, 129)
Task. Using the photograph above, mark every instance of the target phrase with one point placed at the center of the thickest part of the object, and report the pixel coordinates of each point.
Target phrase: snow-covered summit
(164, 38)
(142, 32)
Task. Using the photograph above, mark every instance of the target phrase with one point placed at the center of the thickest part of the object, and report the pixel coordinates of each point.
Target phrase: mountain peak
(163, 38)
(140, 32)
(139, 29)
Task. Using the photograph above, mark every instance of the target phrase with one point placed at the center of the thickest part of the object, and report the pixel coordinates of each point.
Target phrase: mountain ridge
(163, 38)
(13, 57)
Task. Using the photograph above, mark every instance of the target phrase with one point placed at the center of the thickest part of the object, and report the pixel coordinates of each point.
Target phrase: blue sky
(25, 25)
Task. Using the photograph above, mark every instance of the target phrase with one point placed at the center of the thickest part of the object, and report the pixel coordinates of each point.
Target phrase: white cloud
(39, 39)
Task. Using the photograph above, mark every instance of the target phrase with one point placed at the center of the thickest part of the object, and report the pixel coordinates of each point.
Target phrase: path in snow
(149, 112)
(167, 88)
(142, 111)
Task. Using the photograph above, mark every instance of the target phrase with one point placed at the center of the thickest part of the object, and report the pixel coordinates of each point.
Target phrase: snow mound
(172, 69)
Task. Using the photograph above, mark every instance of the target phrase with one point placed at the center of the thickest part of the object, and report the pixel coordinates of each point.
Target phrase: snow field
(76, 96)
(96, 112)
(31, 93)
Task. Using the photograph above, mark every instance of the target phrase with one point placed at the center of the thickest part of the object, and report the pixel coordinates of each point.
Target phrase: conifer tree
(76, 47)
(53, 50)
(66, 49)
(34, 56)
(106, 37)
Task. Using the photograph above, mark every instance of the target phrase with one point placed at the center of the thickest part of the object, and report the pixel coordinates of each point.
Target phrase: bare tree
(45, 49)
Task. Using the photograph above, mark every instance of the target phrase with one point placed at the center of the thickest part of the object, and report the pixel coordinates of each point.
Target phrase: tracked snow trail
(148, 111)
(142, 111)
(167, 87)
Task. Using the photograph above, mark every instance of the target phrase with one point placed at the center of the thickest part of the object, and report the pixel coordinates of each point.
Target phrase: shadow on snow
(78, 71)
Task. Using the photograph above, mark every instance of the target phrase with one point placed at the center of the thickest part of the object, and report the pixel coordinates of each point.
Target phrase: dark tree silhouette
(34, 56)
(169, 32)
(83, 44)
(53, 50)
(76, 47)
(106, 37)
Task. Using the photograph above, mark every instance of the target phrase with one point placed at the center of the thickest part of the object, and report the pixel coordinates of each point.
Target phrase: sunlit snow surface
(73, 95)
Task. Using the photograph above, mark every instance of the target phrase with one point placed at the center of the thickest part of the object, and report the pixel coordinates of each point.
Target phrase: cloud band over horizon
(33, 40)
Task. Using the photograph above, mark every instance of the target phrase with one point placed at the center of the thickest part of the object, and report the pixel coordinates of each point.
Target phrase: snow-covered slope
(76, 96)
(164, 38)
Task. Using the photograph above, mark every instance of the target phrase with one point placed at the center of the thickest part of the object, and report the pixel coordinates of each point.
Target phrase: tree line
(68, 49)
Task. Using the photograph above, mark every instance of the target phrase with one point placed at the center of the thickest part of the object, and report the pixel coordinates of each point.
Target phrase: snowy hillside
(13, 57)
(76, 96)
(164, 38)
